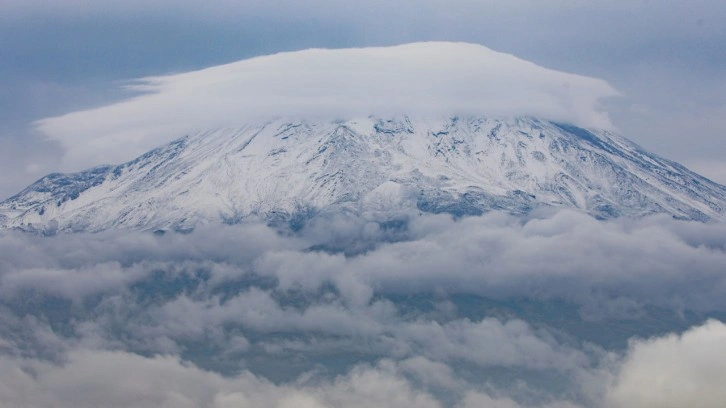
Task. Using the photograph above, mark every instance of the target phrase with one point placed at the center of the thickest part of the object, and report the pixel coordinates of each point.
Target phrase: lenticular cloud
(420, 79)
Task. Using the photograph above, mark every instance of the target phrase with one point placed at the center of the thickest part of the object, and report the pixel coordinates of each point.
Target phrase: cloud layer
(669, 371)
(559, 310)
(426, 79)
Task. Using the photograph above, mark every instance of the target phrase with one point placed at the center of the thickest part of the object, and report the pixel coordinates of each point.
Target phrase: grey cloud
(491, 342)
(73, 283)
(567, 256)
(469, 299)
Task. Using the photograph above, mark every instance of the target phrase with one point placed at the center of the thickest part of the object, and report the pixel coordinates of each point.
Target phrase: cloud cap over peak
(428, 78)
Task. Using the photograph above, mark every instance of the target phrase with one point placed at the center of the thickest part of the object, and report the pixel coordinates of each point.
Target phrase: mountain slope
(287, 171)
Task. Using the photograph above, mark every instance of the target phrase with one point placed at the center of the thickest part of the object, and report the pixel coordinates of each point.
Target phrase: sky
(554, 310)
(666, 58)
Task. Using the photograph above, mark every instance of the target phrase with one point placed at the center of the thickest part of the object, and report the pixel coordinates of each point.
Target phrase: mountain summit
(380, 132)
(288, 171)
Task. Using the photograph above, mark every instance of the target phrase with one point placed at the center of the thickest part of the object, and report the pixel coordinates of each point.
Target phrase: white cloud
(434, 78)
(674, 371)
(89, 378)
(669, 371)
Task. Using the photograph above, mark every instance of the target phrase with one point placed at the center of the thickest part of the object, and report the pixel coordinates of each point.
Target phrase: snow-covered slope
(287, 171)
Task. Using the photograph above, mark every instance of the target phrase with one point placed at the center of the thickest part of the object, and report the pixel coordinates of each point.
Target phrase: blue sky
(666, 57)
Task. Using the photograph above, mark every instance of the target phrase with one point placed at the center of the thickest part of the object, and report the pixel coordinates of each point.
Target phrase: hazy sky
(667, 58)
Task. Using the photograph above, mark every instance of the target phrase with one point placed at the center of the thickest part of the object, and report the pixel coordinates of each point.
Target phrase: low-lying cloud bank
(425, 79)
(568, 256)
(559, 310)
(670, 371)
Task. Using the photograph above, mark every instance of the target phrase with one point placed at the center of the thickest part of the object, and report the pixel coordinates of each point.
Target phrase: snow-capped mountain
(288, 171)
